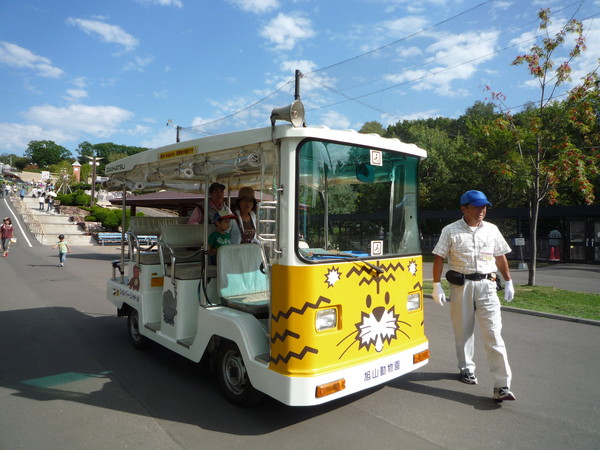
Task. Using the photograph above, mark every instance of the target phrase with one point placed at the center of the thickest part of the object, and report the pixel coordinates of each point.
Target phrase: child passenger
(220, 236)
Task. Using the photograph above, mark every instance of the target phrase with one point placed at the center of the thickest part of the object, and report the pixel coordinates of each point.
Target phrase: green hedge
(110, 218)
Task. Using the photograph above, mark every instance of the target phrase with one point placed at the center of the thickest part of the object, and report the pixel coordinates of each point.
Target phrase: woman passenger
(246, 215)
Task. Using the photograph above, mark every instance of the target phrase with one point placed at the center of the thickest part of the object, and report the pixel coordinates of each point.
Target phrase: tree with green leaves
(107, 151)
(442, 173)
(46, 153)
(540, 152)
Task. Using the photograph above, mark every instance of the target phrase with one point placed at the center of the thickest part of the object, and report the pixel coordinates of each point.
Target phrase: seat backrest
(182, 235)
(151, 226)
(238, 268)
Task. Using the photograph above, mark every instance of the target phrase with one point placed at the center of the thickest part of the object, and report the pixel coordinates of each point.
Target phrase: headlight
(413, 302)
(326, 319)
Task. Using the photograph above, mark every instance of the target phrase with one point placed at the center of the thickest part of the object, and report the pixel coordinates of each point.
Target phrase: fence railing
(35, 226)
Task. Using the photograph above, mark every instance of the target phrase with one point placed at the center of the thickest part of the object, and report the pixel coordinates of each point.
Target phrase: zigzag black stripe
(392, 266)
(356, 271)
(300, 311)
(283, 336)
(377, 279)
(290, 355)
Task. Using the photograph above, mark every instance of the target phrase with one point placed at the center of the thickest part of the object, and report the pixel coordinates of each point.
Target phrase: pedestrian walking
(6, 233)
(42, 201)
(50, 197)
(475, 250)
(63, 249)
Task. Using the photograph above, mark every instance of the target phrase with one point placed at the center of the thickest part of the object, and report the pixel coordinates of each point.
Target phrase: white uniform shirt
(471, 251)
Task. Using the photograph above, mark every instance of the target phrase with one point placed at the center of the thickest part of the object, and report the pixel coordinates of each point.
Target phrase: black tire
(133, 329)
(233, 377)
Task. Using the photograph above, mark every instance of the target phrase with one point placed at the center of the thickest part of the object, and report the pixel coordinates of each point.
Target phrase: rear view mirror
(365, 173)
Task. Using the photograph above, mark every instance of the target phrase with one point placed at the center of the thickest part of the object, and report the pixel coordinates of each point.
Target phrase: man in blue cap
(475, 250)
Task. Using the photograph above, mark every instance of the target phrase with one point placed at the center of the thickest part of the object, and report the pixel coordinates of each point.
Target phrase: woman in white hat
(246, 215)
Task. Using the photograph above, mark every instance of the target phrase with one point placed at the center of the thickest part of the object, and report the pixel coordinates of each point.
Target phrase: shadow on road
(155, 383)
(418, 382)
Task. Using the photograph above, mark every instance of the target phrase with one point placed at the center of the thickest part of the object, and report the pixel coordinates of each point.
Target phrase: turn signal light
(421, 356)
(330, 388)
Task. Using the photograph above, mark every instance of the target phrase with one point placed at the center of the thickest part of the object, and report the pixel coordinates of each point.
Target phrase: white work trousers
(479, 299)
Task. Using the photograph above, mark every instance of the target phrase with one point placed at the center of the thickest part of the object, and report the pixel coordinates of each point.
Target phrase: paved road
(70, 380)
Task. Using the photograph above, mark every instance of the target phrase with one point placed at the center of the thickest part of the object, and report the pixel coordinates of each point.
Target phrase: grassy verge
(548, 300)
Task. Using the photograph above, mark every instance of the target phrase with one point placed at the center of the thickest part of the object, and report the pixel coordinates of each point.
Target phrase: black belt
(481, 276)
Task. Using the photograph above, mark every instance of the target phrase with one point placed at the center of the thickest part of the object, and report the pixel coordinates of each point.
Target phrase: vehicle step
(153, 326)
(264, 358)
(186, 342)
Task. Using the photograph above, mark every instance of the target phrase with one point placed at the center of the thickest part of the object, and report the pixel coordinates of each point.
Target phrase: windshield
(355, 202)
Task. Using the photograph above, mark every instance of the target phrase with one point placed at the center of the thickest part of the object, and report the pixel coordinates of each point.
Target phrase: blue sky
(120, 70)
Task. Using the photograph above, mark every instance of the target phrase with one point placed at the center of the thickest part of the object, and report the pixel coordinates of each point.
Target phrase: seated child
(219, 237)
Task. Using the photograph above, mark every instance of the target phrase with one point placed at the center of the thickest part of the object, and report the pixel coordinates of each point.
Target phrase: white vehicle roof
(226, 157)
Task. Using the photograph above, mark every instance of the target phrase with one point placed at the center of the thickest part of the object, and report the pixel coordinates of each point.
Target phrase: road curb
(551, 316)
(543, 314)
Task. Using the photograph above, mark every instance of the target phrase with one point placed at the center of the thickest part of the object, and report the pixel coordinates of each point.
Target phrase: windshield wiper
(353, 257)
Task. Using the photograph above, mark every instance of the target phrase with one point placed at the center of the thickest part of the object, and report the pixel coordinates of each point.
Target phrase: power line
(425, 76)
(391, 44)
(356, 99)
(191, 128)
(240, 111)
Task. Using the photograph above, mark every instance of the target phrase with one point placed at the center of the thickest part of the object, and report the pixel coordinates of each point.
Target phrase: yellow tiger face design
(378, 326)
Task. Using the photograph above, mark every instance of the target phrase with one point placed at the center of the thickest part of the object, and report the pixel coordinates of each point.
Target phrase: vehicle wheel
(233, 377)
(133, 329)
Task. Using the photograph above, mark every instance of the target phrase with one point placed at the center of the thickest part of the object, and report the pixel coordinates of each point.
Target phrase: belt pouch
(455, 277)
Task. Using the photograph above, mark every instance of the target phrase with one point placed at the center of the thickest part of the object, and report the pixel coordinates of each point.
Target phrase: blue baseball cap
(476, 198)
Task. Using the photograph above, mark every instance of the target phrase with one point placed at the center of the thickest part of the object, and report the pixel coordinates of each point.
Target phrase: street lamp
(94, 162)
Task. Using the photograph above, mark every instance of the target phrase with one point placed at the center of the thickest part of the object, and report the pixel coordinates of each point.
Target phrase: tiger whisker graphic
(376, 327)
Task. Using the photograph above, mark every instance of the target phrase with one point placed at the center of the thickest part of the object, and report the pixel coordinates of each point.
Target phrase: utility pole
(177, 128)
(94, 162)
(297, 76)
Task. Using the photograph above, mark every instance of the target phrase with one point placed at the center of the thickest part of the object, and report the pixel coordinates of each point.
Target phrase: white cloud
(406, 25)
(76, 94)
(335, 120)
(164, 137)
(15, 56)
(472, 48)
(163, 95)
(176, 3)
(67, 125)
(101, 121)
(113, 34)
(417, 115)
(15, 136)
(79, 82)
(408, 52)
(256, 6)
(138, 64)
(285, 31)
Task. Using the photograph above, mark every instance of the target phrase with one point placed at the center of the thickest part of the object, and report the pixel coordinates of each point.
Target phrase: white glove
(438, 294)
(509, 291)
